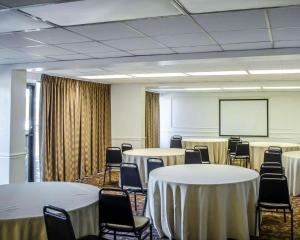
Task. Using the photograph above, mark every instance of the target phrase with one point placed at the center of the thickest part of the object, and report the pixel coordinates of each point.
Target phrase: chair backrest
(204, 153)
(271, 156)
(130, 176)
(113, 155)
(232, 145)
(271, 168)
(175, 141)
(242, 149)
(126, 147)
(192, 156)
(58, 224)
(153, 163)
(115, 207)
(275, 149)
(273, 189)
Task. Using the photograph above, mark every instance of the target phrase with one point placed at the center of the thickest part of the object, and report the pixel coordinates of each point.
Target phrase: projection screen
(243, 117)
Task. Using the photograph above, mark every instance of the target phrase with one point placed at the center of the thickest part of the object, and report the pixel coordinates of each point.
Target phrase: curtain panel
(76, 127)
(152, 121)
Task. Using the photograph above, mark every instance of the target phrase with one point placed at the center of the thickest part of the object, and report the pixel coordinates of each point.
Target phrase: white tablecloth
(203, 201)
(21, 208)
(257, 150)
(217, 147)
(291, 163)
(170, 156)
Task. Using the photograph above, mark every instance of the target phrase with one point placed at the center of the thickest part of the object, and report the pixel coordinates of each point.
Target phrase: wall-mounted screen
(243, 117)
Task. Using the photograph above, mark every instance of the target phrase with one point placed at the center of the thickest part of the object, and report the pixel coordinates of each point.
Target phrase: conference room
(149, 119)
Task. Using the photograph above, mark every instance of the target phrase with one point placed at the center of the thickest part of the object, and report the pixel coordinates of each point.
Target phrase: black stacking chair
(242, 153)
(272, 156)
(113, 160)
(116, 217)
(235, 138)
(131, 181)
(275, 149)
(59, 226)
(273, 194)
(271, 168)
(192, 156)
(176, 141)
(231, 149)
(126, 147)
(204, 153)
(153, 163)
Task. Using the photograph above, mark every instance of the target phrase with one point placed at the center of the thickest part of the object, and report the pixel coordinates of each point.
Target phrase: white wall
(197, 114)
(128, 114)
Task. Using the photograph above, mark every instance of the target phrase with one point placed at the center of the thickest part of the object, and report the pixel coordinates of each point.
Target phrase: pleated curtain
(76, 127)
(152, 120)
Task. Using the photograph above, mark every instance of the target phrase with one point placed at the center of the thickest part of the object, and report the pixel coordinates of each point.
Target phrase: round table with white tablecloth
(170, 156)
(203, 201)
(21, 208)
(257, 151)
(217, 147)
(291, 163)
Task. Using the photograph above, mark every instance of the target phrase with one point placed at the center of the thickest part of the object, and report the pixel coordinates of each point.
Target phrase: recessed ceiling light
(38, 69)
(242, 88)
(145, 75)
(277, 71)
(106, 76)
(282, 88)
(217, 73)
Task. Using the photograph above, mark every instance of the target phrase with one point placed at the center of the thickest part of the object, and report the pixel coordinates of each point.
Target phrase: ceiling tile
(286, 44)
(9, 53)
(165, 25)
(55, 36)
(205, 48)
(152, 51)
(284, 17)
(109, 54)
(247, 46)
(260, 35)
(106, 31)
(226, 21)
(134, 43)
(21, 3)
(286, 34)
(17, 22)
(94, 11)
(182, 40)
(87, 47)
(15, 41)
(45, 50)
(69, 57)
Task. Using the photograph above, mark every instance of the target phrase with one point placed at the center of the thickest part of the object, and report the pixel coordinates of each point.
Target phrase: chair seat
(89, 237)
(269, 205)
(136, 190)
(117, 165)
(241, 156)
(139, 221)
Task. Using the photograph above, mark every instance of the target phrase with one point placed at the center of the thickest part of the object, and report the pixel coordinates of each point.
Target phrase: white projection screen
(243, 117)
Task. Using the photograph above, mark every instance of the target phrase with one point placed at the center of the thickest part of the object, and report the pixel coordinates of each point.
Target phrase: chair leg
(104, 176)
(135, 205)
(151, 235)
(292, 225)
(145, 205)
(259, 223)
(109, 172)
(284, 215)
(115, 235)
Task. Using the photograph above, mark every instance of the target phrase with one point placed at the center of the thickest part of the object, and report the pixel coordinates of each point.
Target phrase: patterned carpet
(273, 226)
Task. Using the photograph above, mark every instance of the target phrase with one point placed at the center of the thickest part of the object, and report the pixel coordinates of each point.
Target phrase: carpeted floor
(273, 226)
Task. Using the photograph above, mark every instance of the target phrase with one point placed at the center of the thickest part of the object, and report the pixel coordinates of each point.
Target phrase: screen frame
(244, 99)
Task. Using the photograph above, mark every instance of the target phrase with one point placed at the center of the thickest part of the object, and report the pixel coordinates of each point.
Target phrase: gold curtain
(152, 123)
(76, 125)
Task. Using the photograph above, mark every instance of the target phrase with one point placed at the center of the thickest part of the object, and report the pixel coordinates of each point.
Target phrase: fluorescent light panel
(146, 75)
(217, 73)
(106, 76)
(282, 88)
(276, 71)
(242, 88)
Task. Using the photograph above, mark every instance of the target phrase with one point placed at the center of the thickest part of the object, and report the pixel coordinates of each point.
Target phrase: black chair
(272, 156)
(176, 141)
(231, 149)
(273, 194)
(59, 226)
(204, 153)
(113, 161)
(271, 168)
(242, 153)
(126, 147)
(131, 181)
(153, 163)
(116, 217)
(275, 149)
(235, 138)
(192, 156)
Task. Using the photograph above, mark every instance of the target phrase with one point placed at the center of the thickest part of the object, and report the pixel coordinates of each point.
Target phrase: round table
(21, 208)
(291, 163)
(217, 147)
(257, 150)
(170, 156)
(203, 201)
